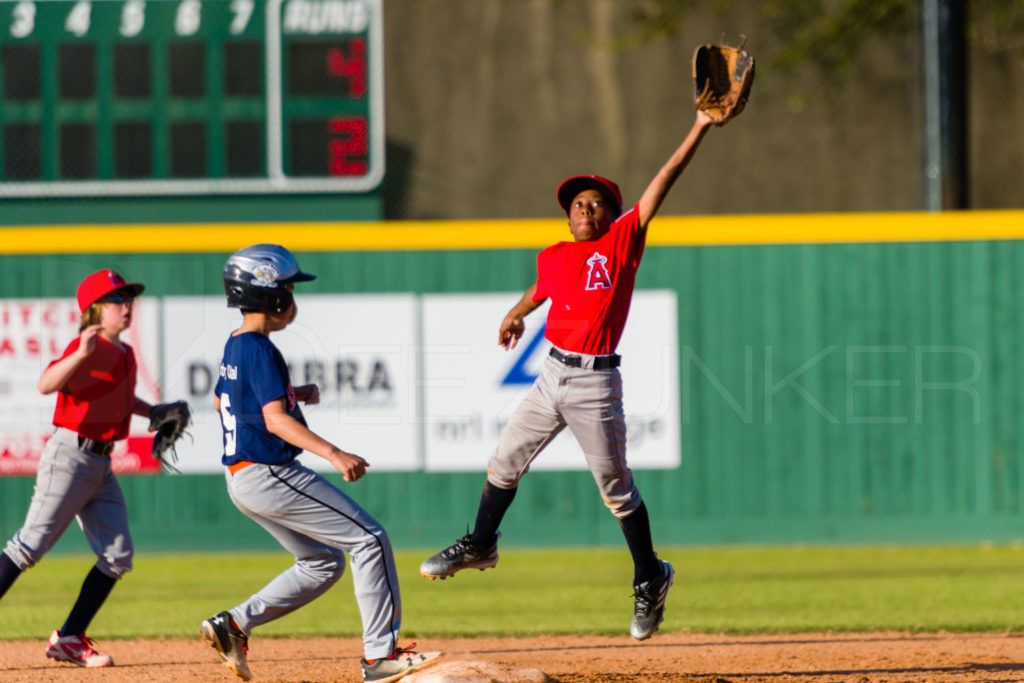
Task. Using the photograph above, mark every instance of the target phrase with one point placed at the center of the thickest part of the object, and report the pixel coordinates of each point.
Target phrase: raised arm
(56, 375)
(658, 188)
(512, 326)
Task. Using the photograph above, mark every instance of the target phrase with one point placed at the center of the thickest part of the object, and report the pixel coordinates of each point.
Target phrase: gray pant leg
(317, 567)
(104, 521)
(316, 522)
(535, 422)
(593, 411)
(71, 483)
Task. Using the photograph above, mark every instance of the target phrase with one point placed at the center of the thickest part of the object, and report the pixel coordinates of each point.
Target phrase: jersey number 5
(228, 420)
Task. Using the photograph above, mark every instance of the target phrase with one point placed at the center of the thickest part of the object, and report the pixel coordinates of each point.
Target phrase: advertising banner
(472, 385)
(34, 332)
(360, 350)
(408, 382)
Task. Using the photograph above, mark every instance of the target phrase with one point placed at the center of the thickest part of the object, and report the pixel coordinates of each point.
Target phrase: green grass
(578, 591)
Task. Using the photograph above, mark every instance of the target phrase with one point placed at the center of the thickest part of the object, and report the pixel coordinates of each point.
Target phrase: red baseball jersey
(98, 398)
(590, 285)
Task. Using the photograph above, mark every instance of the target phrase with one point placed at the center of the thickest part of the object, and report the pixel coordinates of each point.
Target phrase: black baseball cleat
(649, 603)
(230, 643)
(464, 554)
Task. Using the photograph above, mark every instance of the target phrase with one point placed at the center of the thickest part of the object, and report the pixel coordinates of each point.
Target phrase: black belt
(608, 362)
(100, 448)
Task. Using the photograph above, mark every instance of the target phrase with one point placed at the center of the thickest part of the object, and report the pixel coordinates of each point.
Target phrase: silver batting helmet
(255, 278)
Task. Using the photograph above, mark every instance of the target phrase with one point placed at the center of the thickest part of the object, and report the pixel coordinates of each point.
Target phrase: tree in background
(830, 35)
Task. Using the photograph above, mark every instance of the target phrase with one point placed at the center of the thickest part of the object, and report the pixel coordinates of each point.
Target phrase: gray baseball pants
(589, 403)
(317, 523)
(74, 484)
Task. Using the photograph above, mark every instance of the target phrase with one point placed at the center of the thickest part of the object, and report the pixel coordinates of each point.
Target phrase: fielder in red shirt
(590, 283)
(95, 384)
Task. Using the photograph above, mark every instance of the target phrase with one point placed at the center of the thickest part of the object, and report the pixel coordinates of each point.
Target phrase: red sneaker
(76, 650)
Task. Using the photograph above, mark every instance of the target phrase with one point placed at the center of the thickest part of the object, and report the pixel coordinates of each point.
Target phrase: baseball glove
(169, 421)
(722, 78)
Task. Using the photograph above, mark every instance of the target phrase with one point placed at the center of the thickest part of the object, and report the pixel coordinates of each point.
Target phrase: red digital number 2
(347, 140)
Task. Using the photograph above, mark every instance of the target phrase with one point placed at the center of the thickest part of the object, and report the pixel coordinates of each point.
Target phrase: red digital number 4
(347, 140)
(352, 67)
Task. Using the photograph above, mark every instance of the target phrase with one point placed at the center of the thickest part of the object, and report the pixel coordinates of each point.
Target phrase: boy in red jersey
(590, 283)
(95, 384)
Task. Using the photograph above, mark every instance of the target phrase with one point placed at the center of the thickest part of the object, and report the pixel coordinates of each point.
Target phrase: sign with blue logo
(472, 386)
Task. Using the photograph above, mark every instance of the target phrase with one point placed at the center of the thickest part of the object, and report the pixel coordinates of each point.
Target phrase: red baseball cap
(101, 283)
(571, 187)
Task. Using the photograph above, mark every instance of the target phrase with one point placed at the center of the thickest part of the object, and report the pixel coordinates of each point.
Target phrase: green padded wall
(829, 393)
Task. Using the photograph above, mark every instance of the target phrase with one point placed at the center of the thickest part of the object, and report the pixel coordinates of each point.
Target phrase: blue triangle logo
(518, 374)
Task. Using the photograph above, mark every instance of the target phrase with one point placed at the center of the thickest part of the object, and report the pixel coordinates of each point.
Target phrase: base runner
(264, 431)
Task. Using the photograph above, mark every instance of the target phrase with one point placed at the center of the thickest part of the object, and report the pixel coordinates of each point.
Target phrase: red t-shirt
(98, 398)
(590, 285)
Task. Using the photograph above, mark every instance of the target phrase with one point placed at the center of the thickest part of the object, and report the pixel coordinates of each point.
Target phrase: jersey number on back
(228, 420)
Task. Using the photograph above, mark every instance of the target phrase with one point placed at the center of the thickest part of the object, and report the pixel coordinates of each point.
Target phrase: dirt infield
(861, 658)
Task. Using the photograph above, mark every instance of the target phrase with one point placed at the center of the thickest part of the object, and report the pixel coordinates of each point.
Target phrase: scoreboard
(182, 97)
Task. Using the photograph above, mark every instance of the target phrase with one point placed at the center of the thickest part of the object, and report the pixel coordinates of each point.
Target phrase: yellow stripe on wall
(508, 234)
(838, 227)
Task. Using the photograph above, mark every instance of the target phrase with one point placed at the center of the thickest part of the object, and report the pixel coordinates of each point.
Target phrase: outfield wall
(850, 378)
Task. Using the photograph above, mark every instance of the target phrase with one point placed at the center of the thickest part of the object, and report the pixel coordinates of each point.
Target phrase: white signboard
(472, 385)
(361, 350)
(407, 382)
(34, 332)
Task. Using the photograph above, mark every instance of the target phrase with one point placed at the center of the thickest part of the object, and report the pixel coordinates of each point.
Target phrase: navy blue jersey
(252, 374)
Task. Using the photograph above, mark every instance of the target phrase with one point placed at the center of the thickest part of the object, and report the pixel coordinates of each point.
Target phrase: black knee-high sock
(637, 530)
(9, 573)
(95, 590)
(493, 504)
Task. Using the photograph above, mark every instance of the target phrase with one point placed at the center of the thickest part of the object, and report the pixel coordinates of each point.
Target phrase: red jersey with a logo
(98, 398)
(590, 285)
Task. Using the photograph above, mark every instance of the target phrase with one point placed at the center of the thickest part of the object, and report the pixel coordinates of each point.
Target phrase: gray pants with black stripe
(318, 524)
(589, 403)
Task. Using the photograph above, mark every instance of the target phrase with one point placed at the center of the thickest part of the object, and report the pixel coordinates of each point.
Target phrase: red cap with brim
(571, 187)
(101, 283)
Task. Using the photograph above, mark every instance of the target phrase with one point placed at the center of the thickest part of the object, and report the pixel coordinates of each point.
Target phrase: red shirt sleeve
(629, 238)
(71, 348)
(543, 283)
